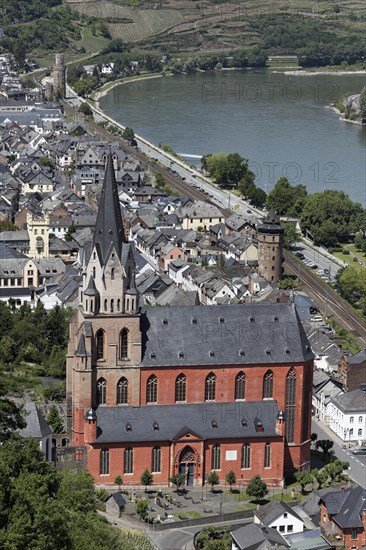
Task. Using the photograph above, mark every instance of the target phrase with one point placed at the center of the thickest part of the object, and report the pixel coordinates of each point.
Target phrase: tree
(47, 161)
(256, 488)
(212, 479)
(230, 479)
(141, 508)
(335, 469)
(128, 134)
(85, 109)
(303, 478)
(159, 181)
(177, 480)
(321, 477)
(7, 225)
(284, 196)
(291, 235)
(70, 231)
(325, 445)
(146, 478)
(55, 421)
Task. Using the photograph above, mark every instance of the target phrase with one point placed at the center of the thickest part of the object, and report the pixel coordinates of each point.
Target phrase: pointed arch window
(267, 455)
(93, 272)
(123, 344)
(156, 459)
(246, 456)
(216, 457)
(240, 386)
(122, 391)
(100, 344)
(268, 385)
(119, 304)
(152, 389)
(112, 273)
(112, 306)
(180, 388)
(104, 462)
(290, 410)
(128, 461)
(210, 387)
(102, 391)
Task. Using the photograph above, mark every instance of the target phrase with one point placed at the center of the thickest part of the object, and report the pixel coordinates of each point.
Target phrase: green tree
(128, 134)
(47, 161)
(118, 480)
(177, 480)
(231, 170)
(85, 109)
(322, 477)
(257, 196)
(7, 350)
(257, 488)
(160, 182)
(7, 225)
(70, 231)
(231, 479)
(304, 479)
(325, 445)
(212, 479)
(141, 508)
(55, 421)
(146, 478)
(291, 236)
(335, 469)
(284, 196)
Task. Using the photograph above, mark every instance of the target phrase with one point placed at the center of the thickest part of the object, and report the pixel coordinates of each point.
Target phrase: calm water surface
(282, 124)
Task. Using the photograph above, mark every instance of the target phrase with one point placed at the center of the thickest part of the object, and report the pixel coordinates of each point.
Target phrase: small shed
(115, 505)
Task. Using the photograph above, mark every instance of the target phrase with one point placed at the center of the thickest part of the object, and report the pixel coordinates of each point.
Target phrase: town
(205, 383)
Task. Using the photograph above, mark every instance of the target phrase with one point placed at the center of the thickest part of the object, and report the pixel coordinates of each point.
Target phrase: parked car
(359, 451)
(316, 319)
(300, 255)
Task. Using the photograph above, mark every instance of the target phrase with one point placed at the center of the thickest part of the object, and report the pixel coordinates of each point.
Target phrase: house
(347, 415)
(201, 214)
(280, 516)
(256, 537)
(37, 428)
(352, 370)
(325, 388)
(115, 505)
(343, 515)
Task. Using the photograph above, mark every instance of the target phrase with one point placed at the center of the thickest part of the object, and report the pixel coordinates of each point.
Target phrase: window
(104, 462)
(281, 528)
(100, 344)
(180, 388)
(123, 344)
(240, 386)
(245, 456)
(351, 432)
(118, 305)
(122, 391)
(210, 387)
(102, 391)
(360, 419)
(351, 420)
(267, 455)
(216, 457)
(128, 461)
(268, 385)
(290, 528)
(152, 389)
(290, 409)
(112, 273)
(112, 306)
(156, 460)
(359, 432)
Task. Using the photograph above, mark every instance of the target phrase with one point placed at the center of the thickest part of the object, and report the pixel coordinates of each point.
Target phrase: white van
(317, 319)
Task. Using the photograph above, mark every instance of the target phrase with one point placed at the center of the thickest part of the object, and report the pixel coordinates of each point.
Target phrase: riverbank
(307, 72)
(98, 94)
(342, 117)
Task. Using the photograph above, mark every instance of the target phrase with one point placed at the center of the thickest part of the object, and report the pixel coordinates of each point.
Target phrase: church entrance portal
(187, 464)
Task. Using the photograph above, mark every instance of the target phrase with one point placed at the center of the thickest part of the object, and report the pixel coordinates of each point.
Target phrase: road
(357, 464)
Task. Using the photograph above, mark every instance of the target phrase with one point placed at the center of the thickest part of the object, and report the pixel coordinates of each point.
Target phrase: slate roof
(254, 537)
(118, 499)
(346, 507)
(353, 401)
(36, 423)
(175, 420)
(271, 511)
(226, 334)
(360, 357)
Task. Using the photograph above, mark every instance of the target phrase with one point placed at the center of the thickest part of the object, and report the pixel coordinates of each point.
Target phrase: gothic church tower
(105, 338)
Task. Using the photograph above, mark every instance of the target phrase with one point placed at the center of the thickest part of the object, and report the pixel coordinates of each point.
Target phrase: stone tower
(59, 76)
(270, 248)
(38, 230)
(105, 336)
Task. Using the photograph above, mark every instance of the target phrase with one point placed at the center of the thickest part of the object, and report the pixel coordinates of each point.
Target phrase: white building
(280, 516)
(347, 415)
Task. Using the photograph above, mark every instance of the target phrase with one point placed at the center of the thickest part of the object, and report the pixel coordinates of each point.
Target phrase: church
(181, 389)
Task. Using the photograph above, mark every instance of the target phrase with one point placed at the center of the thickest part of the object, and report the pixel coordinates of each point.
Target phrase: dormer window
(244, 423)
(181, 355)
(194, 321)
(287, 351)
(213, 424)
(212, 354)
(221, 320)
(165, 322)
(152, 355)
(275, 318)
(128, 428)
(251, 319)
(156, 426)
(268, 351)
(241, 353)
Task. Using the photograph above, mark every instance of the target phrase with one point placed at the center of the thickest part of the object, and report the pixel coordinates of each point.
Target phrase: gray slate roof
(253, 537)
(173, 421)
(36, 423)
(346, 507)
(353, 401)
(225, 334)
(271, 511)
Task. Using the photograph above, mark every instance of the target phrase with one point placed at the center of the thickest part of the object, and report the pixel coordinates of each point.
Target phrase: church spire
(109, 231)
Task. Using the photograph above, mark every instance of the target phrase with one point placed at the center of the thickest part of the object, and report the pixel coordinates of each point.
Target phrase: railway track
(327, 299)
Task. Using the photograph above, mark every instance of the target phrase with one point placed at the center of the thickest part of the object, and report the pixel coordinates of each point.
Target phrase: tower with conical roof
(105, 335)
(270, 247)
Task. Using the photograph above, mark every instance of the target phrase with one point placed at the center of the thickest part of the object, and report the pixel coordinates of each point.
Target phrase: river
(283, 124)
